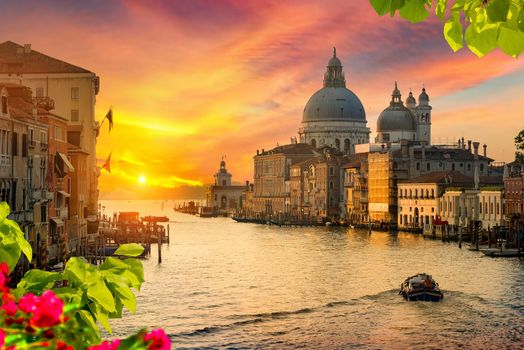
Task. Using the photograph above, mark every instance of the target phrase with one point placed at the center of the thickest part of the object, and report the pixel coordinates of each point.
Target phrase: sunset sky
(191, 81)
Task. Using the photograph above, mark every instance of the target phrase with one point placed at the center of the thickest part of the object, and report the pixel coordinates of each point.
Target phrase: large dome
(334, 103)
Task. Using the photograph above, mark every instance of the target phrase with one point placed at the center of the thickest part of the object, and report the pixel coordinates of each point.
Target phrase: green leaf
(38, 281)
(85, 318)
(4, 211)
(9, 252)
(453, 33)
(129, 249)
(481, 42)
(25, 247)
(440, 9)
(510, 41)
(135, 341)
(387, 6)
(76, 270)
(113, 264)
(520, 21)
(99, 293)
(101, 316)
(414, 11)
(498, 10)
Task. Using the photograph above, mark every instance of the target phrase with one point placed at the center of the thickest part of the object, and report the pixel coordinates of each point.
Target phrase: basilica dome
(334, 101)
(396, 117)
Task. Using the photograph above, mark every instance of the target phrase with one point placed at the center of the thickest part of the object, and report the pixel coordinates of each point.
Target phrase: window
(39, 92)
(428, 167)
(418, 166)
(24, 145)
(481, 167)
(75, 93)
(31, 135)
(347, 145)
(337, 144)
(314, 143)
(43, 137)
(15, 144)
(4, 104)
(385, 137)
(331, 171)
(58, 134)
(74, 115)
(469, 167)
(331, 185)
(453, 166)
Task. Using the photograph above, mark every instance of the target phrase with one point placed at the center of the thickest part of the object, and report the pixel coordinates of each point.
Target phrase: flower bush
(51, 310)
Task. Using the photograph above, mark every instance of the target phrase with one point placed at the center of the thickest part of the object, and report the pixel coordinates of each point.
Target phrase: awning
(57, 221)
(64, 193)
(66, 162)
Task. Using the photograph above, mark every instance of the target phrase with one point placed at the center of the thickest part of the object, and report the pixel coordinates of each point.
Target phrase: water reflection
(224, 284)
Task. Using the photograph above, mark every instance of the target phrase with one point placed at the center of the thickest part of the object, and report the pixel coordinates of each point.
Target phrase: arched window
(314, 143)
(337, 144)
(347, 145)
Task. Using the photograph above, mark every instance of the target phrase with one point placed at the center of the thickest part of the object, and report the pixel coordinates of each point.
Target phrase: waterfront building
(355, 194)
(223, 196)
(71, 91)
(316, 185)
(449, 197)
(58, 183)
(334, 116)
(272, 177)
(514, 194)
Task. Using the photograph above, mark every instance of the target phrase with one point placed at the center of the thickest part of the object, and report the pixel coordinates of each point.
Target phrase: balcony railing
(46, 103)
(43, 146)
(31, 144)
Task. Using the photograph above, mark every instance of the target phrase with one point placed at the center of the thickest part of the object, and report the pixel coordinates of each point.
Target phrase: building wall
(340, 135)
(417, 204)
(380, 188)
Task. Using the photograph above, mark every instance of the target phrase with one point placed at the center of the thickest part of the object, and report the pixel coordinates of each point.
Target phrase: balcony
(46, 103)
(43, 146)
(31, 144)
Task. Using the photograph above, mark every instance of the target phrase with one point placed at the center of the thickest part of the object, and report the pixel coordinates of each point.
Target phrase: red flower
(159, 340)
(4, 268)
(27, 303)
(2, 338)
(63, 346)
(48, 310)
(106, 345)
(10, 308)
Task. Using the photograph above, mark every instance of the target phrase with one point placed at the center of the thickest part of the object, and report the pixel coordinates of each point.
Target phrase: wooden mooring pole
(159, 248)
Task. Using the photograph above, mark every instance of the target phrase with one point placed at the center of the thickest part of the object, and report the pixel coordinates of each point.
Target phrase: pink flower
(10, 308)
(27, 303)
(48, 310)
(159, 340)
(2, 338)
(106, 345)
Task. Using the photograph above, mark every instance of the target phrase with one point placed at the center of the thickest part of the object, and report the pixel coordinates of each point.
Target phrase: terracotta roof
(13, 59)
(293, 148)
(454, 177)
(439, 153)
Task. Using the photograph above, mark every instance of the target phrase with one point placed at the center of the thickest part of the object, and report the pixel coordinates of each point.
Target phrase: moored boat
(421, 287)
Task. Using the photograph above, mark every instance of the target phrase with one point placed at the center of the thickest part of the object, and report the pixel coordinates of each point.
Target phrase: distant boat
(421, 287)
(500, 253)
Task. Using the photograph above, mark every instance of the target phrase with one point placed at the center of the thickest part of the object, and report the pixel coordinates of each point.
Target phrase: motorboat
(421, 287)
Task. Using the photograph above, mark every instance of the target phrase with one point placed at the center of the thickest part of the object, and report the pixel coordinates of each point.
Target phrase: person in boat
(427, 283)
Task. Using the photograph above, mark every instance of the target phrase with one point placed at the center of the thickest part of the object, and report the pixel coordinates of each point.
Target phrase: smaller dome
(410, 101)
(396, 118)
(423, 96)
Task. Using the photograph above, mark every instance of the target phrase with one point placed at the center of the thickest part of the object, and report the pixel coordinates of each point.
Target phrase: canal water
(224, 284)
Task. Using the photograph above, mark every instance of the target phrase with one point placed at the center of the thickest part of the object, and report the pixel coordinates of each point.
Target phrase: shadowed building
(70, 91)
(224, 197)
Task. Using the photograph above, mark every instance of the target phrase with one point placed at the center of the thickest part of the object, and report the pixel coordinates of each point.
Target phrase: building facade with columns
(334, 115)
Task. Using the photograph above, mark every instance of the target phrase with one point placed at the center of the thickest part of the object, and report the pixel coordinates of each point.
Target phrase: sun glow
(142, 179)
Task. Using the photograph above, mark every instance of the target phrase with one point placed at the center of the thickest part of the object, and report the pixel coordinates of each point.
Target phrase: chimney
(258, 152)
(463, 144)
(27, 48)
(476, 149)
(469, 145)
(247, 183)
(262, 151)
(485, 150)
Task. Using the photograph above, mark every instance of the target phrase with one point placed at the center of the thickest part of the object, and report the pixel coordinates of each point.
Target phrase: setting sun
(142, 179)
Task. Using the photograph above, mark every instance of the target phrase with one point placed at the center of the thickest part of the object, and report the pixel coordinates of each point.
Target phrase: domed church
(334, 115)
(405, 122)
